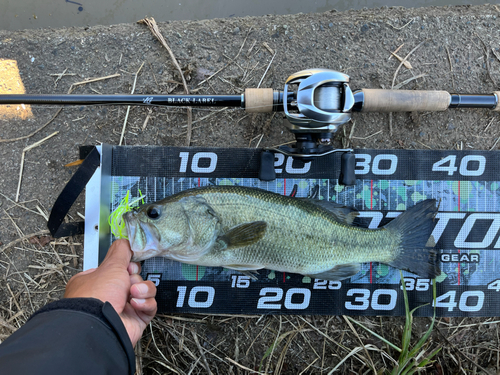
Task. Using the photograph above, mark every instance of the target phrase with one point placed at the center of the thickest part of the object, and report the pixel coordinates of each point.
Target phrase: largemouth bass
(248, 229)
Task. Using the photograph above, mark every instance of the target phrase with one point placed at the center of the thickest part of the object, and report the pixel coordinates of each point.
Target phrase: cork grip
(377, 100)
(259, 100)
(497, 94)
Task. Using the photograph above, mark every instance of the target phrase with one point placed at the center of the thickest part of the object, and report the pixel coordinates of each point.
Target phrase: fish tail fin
(415, 253)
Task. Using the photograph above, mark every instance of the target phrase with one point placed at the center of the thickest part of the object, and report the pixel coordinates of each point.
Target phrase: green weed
(411, 358)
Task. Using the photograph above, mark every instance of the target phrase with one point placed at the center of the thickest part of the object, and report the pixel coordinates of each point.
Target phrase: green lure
(115, 220)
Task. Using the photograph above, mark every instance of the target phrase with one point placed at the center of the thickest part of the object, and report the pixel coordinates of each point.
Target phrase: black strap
(69, 195)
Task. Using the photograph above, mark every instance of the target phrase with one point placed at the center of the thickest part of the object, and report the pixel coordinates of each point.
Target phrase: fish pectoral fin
(341, 213)
(251, 274)
(244, 234)
(246, 269)
(339, 272)
(243, 267)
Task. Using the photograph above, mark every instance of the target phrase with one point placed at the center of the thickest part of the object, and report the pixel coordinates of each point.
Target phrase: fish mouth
(131, 226)
(144, 239)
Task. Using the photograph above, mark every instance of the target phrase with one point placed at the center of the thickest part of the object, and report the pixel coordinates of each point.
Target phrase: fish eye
(153, 212)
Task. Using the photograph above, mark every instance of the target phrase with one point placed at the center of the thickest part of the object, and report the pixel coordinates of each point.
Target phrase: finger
(119, 254)
(146, 306)
(135, 278)
(143, 290)
(134, 268)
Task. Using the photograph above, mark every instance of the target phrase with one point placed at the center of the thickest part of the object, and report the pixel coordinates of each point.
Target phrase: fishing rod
(315, 102)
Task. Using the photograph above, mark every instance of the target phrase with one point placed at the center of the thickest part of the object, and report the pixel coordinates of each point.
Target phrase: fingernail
(139, 301)
(143, 288)
(134, 268)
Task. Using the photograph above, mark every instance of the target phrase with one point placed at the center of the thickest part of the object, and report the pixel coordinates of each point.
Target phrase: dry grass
(309, 345)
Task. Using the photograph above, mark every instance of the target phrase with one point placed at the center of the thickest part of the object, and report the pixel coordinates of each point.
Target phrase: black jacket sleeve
(70, 336)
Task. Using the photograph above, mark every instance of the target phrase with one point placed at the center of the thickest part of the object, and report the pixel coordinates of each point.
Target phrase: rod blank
(161, 100)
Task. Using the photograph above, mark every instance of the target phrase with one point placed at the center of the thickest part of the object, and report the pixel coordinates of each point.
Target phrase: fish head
(181, 230)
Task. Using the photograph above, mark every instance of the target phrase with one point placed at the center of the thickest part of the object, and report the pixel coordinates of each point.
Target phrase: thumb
(119, 254)
(86, 272)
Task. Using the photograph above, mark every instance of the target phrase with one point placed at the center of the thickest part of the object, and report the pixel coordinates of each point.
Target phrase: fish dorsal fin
(341, 213)
(244, 234)
(339, 272)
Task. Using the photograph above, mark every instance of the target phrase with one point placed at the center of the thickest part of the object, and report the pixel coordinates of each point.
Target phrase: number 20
(269, 295)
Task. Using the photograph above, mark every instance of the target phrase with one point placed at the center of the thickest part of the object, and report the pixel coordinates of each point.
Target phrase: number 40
(447, 164)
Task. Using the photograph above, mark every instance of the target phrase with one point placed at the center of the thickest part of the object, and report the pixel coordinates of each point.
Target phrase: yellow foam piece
(11, 83)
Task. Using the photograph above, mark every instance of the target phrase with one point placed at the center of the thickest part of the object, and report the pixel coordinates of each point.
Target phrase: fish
(249, 229)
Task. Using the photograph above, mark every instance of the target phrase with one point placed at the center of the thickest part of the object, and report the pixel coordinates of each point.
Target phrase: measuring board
(466, 232)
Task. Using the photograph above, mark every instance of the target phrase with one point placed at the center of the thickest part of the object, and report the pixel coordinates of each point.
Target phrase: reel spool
(322, 101)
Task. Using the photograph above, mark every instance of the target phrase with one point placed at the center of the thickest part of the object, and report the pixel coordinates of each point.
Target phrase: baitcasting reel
(318, 102)
(315, 102)
(321, 102)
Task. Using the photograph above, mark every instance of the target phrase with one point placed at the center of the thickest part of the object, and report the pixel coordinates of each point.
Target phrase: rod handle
(258, 100)
(379, 100)
(497, 94)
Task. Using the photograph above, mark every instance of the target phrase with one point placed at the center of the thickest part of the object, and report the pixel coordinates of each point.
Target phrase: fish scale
(299, 236)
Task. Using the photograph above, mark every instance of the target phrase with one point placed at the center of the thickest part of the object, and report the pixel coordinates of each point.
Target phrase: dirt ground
(458, 51)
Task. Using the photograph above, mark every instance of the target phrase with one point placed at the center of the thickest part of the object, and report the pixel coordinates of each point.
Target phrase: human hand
(118, 282)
